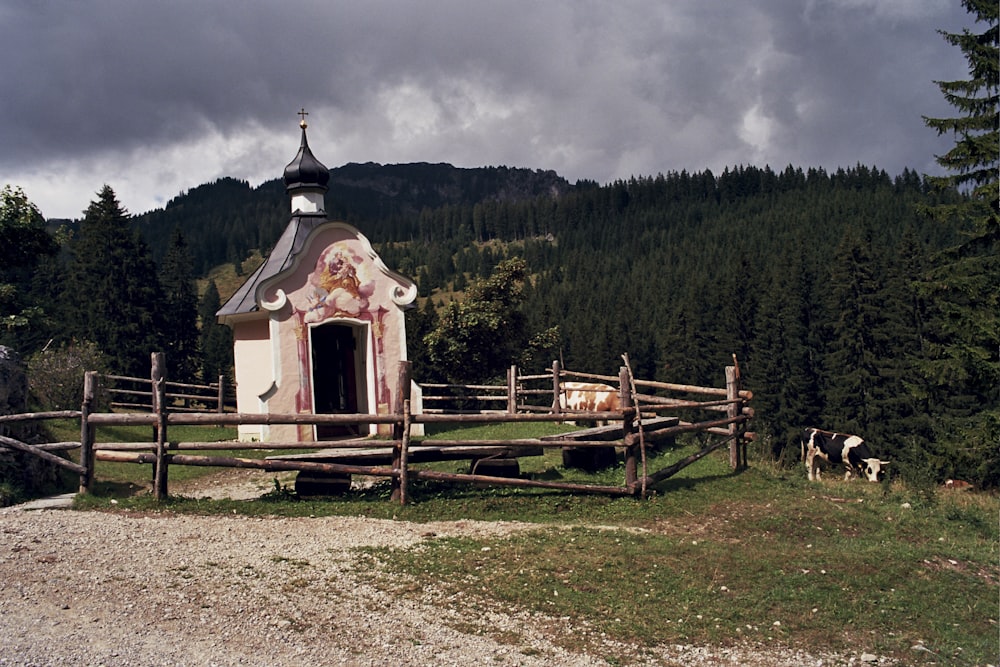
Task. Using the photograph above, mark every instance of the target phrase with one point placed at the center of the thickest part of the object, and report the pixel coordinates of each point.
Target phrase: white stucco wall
(254, 372)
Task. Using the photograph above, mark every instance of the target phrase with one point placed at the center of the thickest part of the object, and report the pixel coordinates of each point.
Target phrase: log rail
(636, 409)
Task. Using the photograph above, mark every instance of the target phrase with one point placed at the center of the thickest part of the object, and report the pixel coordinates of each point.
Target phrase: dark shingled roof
(304, 172)
(291, 243)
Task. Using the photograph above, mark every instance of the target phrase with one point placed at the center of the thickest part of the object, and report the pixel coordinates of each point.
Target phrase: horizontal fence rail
(632, 426)
(183, 396)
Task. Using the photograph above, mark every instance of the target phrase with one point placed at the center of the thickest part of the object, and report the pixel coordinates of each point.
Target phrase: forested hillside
(822, 284)
(812, 279)
(854, 300)
(223, 221)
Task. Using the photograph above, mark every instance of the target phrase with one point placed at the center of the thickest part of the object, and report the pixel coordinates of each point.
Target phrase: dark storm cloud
(107, 75)
(156, 97)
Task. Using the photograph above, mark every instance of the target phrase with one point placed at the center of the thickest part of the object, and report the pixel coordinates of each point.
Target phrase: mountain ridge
(226, 219)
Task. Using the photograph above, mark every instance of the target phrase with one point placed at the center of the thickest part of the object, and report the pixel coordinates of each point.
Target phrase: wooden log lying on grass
(269, 465)
(511, 481)
(230, 444)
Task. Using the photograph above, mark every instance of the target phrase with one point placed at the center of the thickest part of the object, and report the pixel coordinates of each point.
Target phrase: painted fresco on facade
(341, 286)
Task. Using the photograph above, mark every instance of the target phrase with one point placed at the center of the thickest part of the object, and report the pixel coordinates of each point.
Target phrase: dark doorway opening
(335, 378)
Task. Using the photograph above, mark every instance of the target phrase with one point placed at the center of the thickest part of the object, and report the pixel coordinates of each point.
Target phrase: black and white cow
(849, 450)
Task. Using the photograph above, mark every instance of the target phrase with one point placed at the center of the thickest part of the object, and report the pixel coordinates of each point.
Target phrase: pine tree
(782, 369)
(973, 160)
(906, 318)
(964, 335)
(216, 340)
(419, 323)
(112, 296)
(853, 370)
(180, 310)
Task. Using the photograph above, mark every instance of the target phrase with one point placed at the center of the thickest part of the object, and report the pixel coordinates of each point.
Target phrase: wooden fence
(131, 393)
(630, 433)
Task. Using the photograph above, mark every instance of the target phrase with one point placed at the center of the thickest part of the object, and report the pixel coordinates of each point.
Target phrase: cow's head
(873, 468)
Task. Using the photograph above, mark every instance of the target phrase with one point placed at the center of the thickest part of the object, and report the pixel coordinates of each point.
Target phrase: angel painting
(334, 286)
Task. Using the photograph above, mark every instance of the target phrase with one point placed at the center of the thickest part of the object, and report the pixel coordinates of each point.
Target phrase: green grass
(506, 430)
(712, 558)
(117, 479)
(758, 557)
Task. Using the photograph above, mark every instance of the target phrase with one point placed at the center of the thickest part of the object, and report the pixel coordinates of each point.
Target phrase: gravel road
(95, 588)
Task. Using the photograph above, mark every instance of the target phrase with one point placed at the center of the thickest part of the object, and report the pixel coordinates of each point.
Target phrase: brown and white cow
(589, 397)
(839, 448)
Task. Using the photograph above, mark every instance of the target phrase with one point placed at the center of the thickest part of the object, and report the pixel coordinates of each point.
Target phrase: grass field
(713, 557)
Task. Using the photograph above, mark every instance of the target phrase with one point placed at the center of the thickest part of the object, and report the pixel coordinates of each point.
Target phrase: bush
(55, 376)
(22, 476)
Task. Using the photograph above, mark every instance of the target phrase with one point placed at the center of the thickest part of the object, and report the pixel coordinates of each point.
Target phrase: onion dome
(305, 171)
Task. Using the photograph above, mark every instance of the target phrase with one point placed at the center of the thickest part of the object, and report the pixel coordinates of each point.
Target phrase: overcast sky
(154, 98)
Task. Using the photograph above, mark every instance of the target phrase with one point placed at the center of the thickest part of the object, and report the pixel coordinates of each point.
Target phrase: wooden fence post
(737, 447)
(404, 455)
(87, 431)
(631, 451)
(401, 435)
(556, 407)
(512, 390)
(222, 395)
(160, 428)
(636, 422)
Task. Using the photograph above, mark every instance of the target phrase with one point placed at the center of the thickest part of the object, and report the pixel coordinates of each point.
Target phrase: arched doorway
(339, 375)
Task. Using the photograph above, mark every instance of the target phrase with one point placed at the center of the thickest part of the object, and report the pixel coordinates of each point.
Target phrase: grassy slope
(713, 557)
(761, 555)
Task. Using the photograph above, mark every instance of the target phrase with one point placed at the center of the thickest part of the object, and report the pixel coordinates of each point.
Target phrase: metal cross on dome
(303, 113)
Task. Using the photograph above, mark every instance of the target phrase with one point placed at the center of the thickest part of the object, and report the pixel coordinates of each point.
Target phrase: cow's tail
(802, 446)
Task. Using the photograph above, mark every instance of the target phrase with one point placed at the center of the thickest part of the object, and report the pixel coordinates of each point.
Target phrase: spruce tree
(906, 319)
(782, 369)
(767, 368)
(112, 296)
(682, 341)
(216, 340)
(419, 323)
(738, 296)
(853, 360)
(973, 160)
(180, 310)
(964, 335)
